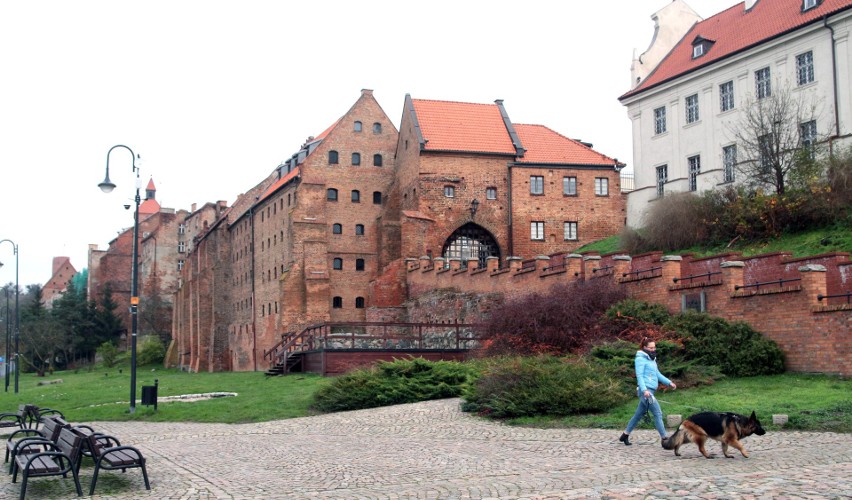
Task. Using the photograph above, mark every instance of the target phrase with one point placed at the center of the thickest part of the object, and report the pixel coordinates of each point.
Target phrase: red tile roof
(461, 126)
(151, 185)
(543, 145)
(149, 206)
(734, 30)
(280, 182)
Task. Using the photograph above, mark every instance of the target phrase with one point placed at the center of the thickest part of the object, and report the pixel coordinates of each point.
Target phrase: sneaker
(625, 438)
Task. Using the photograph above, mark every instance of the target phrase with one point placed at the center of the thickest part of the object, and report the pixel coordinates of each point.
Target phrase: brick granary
(324, 236)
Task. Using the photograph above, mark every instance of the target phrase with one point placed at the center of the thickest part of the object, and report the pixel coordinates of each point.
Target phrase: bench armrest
(26, 431)
(104, 455)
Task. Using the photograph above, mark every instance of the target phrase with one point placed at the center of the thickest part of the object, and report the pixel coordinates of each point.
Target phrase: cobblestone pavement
(433, 450)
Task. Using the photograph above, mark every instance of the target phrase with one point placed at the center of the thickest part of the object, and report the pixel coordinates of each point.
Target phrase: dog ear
(753, 416)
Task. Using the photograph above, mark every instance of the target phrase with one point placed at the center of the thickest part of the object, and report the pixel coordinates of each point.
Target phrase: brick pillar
(733, 274)
(620, 265)
(590, 263)
(814, 283)
(515, 263)
(541, 261)
(455, 263)
(492, 263)
(410, 263)
(472, 265)
(425, 261)
(574, 265)
(440, 263)
(671, 265)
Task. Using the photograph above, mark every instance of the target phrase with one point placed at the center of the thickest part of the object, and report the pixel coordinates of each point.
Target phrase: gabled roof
(543, 145)
(149, 206)
(277, 185)
(734, 30)
(462, 127)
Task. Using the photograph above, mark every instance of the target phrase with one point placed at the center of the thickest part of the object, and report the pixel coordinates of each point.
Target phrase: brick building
(323, 237)
(62, 273)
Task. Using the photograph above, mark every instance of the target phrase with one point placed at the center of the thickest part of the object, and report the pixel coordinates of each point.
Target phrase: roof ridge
(454, 102)
(580, 143)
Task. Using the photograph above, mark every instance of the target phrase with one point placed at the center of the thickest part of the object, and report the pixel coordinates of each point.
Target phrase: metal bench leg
(94, 479)
(23, 486)
(77, 482)
(145, 475)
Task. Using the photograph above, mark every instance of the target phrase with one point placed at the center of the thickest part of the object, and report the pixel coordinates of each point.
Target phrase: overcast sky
(213, 95)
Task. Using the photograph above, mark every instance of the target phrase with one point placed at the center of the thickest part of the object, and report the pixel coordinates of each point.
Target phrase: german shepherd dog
(727, 428)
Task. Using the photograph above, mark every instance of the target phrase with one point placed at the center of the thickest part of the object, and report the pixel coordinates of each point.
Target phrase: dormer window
(700, 46)
(810, 4)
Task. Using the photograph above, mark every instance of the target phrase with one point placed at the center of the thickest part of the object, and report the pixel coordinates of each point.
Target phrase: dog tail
(668, 443)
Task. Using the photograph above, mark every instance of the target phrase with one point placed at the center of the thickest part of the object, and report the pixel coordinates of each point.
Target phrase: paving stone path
(433, 450)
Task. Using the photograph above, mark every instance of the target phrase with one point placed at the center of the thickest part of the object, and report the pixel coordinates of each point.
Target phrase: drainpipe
(834, 90)
(509, 194)
(253, 308)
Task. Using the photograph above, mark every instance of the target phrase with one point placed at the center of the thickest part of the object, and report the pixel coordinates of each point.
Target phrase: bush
(108, 354)
(631, 310)
(674, 222)
(543, 385)
(619, 356)
(560, 322)
(152, 351)
(388, 383)
(735, 348)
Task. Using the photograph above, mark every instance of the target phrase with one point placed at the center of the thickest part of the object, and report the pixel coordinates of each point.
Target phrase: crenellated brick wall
(782, 297)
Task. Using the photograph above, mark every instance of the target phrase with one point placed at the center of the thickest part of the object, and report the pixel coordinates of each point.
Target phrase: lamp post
(107, 186)
(8, 341)
(17, 322)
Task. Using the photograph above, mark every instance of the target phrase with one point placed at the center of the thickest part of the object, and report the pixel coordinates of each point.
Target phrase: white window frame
(450, 191)
(809, 4)
(569, 185)
(601, 186)
(763, 83)
(662, 172)
(181, 246)
(729, 162)
(691, 105)
(537, 230)
(726, 96)
(697, 50)
(660, 120)
(694, 163)
(491, 193)
(805, 68)
(537, 184)
(570, 229)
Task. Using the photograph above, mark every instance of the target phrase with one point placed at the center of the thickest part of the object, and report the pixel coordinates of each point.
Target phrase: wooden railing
(375, 335)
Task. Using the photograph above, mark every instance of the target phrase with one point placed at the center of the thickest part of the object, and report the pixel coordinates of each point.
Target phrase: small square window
(601, 186)
(570, 231)
(536, 184)
(337, 302)
(377, 128)
(809, 4)
(332, 157)
(491, 193)
(377, 197)
(337, 264)
(359, 302)
(359, 264)
(377, 160)
(537, 231)
(449, 191)
(331, 194)
(356, 158)
(337, 229)
(569, 186)
(356, 196)
(357, 127)
(359, 229)
(697, 50)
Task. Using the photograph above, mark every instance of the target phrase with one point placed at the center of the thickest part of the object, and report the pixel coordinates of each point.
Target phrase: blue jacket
(648, 375)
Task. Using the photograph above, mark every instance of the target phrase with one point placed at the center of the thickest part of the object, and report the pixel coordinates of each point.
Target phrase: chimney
(367, 92)
(193, 208)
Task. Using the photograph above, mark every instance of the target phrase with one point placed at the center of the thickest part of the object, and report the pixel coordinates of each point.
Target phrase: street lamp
(8, 339)
(107, 186)
(17, 323)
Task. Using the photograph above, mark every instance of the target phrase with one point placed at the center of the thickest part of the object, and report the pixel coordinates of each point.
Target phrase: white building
(684, 108)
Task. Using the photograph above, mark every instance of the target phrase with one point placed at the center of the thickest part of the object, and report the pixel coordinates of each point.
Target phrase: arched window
(356, 196)
(337, 302)
(337, 264)
(471, 242)
(337, 229)
(377, 197)
(356, 158)
(377, 160)
(357, 127)
(359, 229)
(331, 194)
(332, 157)
(359, 302)
(377, 128)
(359, 264)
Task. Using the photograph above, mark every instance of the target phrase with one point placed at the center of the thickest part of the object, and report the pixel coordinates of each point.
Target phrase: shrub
(632, 310)
(675, 221)
(560, 322)
(543, 385)
(401, 381)
(152, 351)
(736, 348)
(108, 354)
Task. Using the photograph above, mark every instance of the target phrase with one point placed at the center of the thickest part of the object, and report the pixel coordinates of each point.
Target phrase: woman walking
(648, 377)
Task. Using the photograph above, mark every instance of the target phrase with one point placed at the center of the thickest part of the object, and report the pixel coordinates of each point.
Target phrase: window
(377, 160)
(337, 264)
(377, 128)
(729, 162)
(569, 186)
(337, 229)
(359, 302)
(377, 197)
(332, 158)
(356, 158)
(182, 229)
(765, 150)
(337, 302)
(763, 85)
(601, 186)
(537, 231)
(809, 4)
(331, 194)
(181, 247)
(357, 127)
(359, 229)
(359, 264)
(570, 231)
(697, 50)
(805, 68)
(692, 108)
(726, 96)
(693, 302)
(491, 193)
(660, 120)
(449, 191)
(662, 178)
(694, 163)
(180, 265)
(356, 196)
(808, 136)
(536, 184)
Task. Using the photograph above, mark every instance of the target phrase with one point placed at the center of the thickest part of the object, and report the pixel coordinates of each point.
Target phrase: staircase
(290, 364)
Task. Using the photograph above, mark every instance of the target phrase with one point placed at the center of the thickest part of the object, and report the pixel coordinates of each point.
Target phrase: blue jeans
(645, 405)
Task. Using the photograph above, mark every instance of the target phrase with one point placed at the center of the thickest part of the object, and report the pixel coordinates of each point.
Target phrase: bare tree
(777, 139)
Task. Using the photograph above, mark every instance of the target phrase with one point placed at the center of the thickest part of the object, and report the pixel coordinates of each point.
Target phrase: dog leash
(680, 404)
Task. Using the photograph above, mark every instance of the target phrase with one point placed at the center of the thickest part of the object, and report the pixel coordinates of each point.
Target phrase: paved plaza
(433, 450)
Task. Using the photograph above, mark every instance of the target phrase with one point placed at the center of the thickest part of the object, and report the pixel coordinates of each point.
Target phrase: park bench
(16, 445)
(19, 419)
(59, 458)
(36, 415)
(109, 454)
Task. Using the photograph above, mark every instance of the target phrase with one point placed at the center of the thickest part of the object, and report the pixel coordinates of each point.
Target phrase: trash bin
(149, 394)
